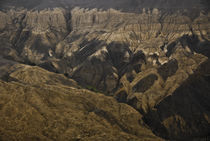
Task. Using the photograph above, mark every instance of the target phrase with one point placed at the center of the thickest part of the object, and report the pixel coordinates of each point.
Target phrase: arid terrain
(97, 70)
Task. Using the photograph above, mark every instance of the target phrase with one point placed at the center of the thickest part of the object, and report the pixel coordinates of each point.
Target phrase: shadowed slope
(184, 115)
(31, 108)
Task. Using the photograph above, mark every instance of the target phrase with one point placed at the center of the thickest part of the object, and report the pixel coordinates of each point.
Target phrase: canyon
(124, 70)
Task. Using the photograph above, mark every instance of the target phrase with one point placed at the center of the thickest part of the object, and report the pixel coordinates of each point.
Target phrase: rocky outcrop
(143, 59)
(118, 38)
(32, 35)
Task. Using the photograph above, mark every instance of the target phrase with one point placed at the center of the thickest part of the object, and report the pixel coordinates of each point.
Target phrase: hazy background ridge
(124, 5)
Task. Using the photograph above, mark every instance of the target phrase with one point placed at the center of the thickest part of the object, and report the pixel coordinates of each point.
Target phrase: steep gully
(140, 59)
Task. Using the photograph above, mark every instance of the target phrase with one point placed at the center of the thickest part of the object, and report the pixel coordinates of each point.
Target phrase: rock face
(150, 59)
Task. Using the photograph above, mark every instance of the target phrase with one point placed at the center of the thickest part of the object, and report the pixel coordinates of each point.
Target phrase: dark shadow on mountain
(168, 69)
(87, 48)
(48, 66)
(194, 44)
(39, 46)
(117, 53)
(144, 84)
(186, 110)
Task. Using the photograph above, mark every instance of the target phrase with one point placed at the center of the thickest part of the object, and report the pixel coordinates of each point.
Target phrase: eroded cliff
(149, 60)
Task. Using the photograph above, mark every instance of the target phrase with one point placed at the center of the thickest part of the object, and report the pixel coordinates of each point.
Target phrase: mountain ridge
(124, 5)
(148, 60)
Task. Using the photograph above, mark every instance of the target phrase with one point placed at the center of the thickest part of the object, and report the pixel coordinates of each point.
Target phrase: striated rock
(42, 38)
(150, 60)
(33, 34)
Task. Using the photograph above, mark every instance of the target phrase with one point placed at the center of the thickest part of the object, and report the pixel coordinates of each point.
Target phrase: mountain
(114, 70)
(41, 105)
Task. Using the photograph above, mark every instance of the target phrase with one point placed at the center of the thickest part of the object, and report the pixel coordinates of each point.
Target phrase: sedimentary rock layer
(148, 60)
